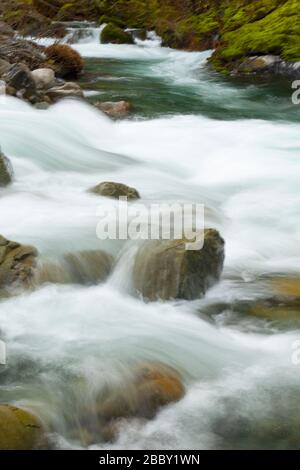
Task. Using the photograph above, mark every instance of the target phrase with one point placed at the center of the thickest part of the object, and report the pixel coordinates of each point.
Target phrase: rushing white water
(247, 174)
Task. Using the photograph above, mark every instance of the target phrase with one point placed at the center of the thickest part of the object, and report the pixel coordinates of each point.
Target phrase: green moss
(277, 33)
(113, 34)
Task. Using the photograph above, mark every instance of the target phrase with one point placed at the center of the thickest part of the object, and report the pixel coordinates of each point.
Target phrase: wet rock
(270, 64)
(115, 190)
(19, 77)
(87, 267)
(6, 172)
(65, 61)
(17, 264)
(166, 270)
(42, 105)
(115, 35)
(138, 33)
(115, 109)
(68, 90)
(153, 386)
(20, 430)
(43, 78)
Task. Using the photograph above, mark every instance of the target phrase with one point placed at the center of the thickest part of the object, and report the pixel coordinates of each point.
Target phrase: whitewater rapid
(246, 172)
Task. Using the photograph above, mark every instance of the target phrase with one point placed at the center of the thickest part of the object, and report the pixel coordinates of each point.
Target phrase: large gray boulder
(5, 170)
(165, 270)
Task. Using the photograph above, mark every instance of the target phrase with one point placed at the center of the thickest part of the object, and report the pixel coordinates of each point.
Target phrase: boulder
(19, 77)
(115, 190)
(68, 90)
(115, 35)
(20, 430)
(114, 109)
(65, 61)
(43, 78)
(164, 269)
(5, 170)
(17, 264)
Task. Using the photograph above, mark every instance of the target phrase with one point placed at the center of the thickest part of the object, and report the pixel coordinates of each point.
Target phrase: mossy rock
(115, 35)
(115, 190)
(64, 60)
(165, 269)
(20, 430)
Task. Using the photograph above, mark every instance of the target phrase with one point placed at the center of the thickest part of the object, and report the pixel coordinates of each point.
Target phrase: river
(194, 136)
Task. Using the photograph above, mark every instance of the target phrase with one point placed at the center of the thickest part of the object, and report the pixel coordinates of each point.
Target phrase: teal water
(202, 92)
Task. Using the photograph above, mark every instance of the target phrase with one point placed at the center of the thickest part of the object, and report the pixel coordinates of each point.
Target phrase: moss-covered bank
(235, 28)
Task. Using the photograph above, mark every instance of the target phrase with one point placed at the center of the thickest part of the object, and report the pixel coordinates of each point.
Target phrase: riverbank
(238, 30)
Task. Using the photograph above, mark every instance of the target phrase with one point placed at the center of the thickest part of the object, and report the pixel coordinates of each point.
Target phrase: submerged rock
(17, 264)
(84, 267)
(115, 35)
(89, 267)
(115, 190)
(153, 386)
(67, 90)
(20, 430)
(147, 389)
(114, 109)
(166, 270)
(6, 172)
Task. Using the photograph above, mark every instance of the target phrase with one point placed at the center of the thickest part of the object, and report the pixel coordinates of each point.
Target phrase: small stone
(115, 190)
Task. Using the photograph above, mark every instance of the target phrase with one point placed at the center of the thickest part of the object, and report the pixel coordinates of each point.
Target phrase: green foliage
(276, 33)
